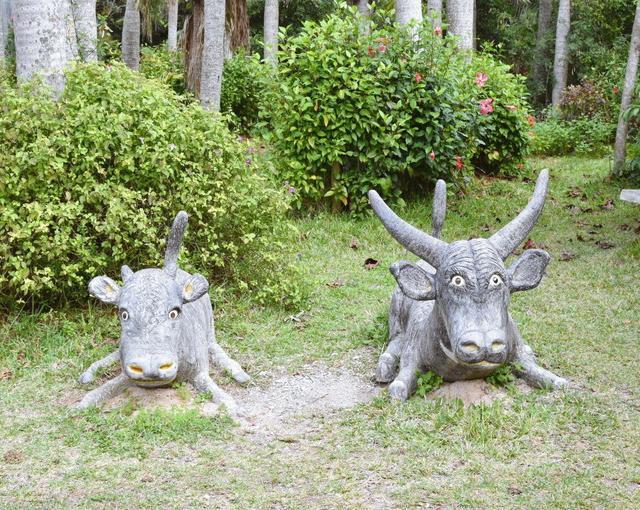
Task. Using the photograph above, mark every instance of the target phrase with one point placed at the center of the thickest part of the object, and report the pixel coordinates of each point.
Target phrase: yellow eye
(124, 315)
(173, 314)
(457, 281)
(495, 280)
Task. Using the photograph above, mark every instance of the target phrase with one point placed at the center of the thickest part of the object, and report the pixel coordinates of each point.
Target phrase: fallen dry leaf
(605, 245)
(625, 227)
(5, 373)
(13, 457)
(529, 244)
(336, 283)
(354, 244)
(371, 264)
(608, 205)
(567, 255)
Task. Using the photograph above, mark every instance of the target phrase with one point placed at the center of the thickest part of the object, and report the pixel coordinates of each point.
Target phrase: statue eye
(457, 281)
(173, 314)
(124, 315)
(495, 280)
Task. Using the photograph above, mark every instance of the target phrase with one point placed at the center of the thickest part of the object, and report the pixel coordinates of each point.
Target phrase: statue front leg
(203, 383)
(90, 373)
(533, 374)
(105, 392)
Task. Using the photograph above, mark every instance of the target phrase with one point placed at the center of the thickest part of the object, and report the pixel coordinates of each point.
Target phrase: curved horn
(439, 208)
(423, 245)
(509, 237)
(173, 243)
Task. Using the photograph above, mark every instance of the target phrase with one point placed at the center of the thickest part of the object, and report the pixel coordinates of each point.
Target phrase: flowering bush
(586, 100)
(352, 111)
(504, 121)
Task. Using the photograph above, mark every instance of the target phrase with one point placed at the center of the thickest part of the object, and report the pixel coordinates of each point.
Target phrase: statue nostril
(470, 347)
(166, 366)
(135, 369)
(498, 346)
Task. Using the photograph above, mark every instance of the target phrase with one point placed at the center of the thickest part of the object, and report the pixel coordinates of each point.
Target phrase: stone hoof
(86, 378)
(398, 391)
(241, 377)
(386, 370)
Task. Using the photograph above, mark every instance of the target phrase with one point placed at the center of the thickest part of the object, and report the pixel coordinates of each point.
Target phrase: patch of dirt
(287, 407)
(477, 391)
(148, 398)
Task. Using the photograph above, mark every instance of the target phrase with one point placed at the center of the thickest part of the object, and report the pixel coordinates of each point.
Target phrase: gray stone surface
(630, 195)
(449, 313)
(167, 329)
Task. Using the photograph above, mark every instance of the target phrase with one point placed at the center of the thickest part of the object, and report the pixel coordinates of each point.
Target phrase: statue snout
(152, 369)
(479, 346)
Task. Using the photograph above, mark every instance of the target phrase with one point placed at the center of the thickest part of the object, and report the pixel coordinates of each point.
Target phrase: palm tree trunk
(408, 11)
(172, 21)
(131, 35)
(561, 59)
(86, 25)
(461, 16)
(212, 54)
(237, 26)
(627, 93)
(271, 23)
(541, 52)
(193, 39)
(4, 29)
(434, 12)
(42, 45)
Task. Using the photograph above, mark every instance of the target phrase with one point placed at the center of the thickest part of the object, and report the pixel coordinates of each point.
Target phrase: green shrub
(351, 111)
(158, 63)
(94, 181)
(244, 89)
(584, 136)
(502, 135)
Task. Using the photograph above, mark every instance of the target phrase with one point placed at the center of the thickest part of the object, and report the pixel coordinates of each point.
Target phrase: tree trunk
(212, 54)
(434, 12)
(541, 52)
(131, 35)
(41, 39)
(172, 38)
(193, 39)
(363, 7)
(461, 17)
(4, 29)
(561, 59)
(627, 93)
(271, 23)
(86, 25)
(237, 26)
(408, 11)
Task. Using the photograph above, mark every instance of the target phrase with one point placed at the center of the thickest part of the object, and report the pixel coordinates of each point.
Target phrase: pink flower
(511, 107)
(531, 120)
(432, 155)
(481, 79)
(615, 89)
(382, 48)
(486, 106)
(437, 31)
(459, 164)
(418, 77)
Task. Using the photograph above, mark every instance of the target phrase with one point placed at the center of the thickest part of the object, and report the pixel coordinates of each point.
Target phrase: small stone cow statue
(167, 329)
(449, 313)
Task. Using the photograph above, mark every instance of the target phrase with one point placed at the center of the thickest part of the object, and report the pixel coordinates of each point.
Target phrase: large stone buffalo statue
(449, 313)
(167, 329)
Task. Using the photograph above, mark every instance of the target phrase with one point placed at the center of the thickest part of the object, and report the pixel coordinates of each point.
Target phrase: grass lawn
(573, 449)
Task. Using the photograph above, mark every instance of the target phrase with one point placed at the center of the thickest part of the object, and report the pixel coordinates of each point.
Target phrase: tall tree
(461, 16)
(131, 35)
(43, 44)
(408, 11)
(627, 92)
(434, 12)
(545, 9)
(271, 23)
(561, 58)
(4, 28)
(86, 26)
(172, 21)
(363, 7)
(237, 31)
(212, 54)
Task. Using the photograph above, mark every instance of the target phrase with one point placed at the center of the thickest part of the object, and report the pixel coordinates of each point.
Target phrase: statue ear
(194, 288)
(527, 270)
(125, 273)
(414, 281)
(105, 289)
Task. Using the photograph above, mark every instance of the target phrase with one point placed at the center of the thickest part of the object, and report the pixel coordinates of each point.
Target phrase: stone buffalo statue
(449, 313)
(167, 329)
